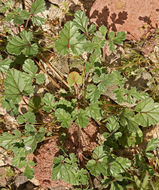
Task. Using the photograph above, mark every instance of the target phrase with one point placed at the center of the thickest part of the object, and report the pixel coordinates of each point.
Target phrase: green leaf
(17, 83)
(19, 151)
(111, 35)
(7, 140)
(92, 28)
(48, 101)
(98, 152)
(5, 64)
(20, 119)
(19, 16)
(106, 80)
(129, 95)
(131, 138)
(127, 119)
(30, 67)
(65, 104)
(83, 178)
(74, 78)
(94, 111)
(63, 117)
(103, 30)
(149, 155)
(30, 130)
(37, 20)
(148, 112)
(35, 104)
(145, 181)
(119, 38)
(30, 144)
(132, 134)
(70, 40)
(67, 170)
(113, 124)
(93, 93)
(19, 162)
(81, 21)
(117, 135)
(111, 46)
(29, 172)
(152, 144)
(99, 40)
(82, 119)
(89, 47)
(9, 16)
(40, 78)
(64, 172)
(22, 44)
(41, 134)
(96, 56)
(124, 163)
(116, 186)
(11, 106)
(37, 7)
(115, 39)
(99, 164)
(118, 166)
(29, 117)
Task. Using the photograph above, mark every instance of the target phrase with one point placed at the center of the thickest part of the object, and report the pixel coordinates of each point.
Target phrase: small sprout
(74, 78)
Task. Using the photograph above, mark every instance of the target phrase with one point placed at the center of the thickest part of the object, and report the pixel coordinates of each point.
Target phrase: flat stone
(136, 17)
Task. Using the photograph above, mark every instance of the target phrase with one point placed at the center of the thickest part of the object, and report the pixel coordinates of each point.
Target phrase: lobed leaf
(99, 164)
(113, 124)
(30, 67)
(37, 20)
(40, 78)
(119, 38)
(81, 21)
(7, 140)
(74, 78)
(152, 144)
(94, 111)
(82, 119)
(16, 84)
(5, 64)
(37, 7)
(63, 117)
(22, 44)
(93, 93)
(148, 112)
(70, 40)
(68, 171)
(29, 172)
(19, 16)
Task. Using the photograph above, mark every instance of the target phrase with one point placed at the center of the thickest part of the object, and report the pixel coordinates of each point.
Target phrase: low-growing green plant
(79, 104)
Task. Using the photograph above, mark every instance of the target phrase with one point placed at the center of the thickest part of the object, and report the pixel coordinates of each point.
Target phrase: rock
(21, 179)
(22, 182)
(35, 181)
(136, 17)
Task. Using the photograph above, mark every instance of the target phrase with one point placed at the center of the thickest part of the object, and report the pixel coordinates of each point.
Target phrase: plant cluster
(80, 103)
